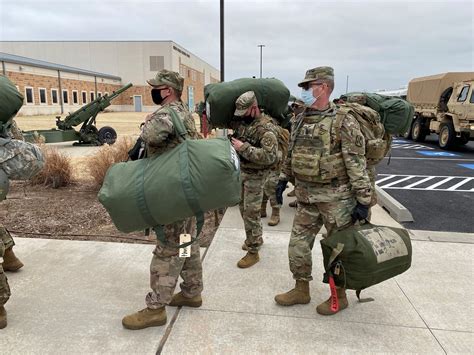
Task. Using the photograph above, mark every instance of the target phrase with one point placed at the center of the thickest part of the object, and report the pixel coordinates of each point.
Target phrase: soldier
(166, 265)
(332, 186)
(256, 143)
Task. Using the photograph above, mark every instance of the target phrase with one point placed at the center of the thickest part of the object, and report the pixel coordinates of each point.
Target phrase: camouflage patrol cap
(318, 73)
(4, 185)
(168, 78)
(243, 103)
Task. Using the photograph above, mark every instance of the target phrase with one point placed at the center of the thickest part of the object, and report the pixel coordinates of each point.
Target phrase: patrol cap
(4, 185)
(318, 73)
(168, 78)
(243, 103)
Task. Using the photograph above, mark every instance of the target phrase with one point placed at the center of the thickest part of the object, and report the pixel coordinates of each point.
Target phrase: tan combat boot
(325, 307)
(3, 317)
(145, 318)
(298, 295)
(179, 300)
(10, 261)
(275, 218)
(248, 260)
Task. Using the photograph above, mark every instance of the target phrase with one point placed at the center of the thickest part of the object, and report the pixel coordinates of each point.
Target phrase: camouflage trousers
(166, 266)
(4, 288)
(309, 218)
(269, 187)
(250, 204)
(372, 176)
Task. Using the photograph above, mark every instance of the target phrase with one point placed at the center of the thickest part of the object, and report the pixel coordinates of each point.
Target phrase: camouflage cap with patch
(318, 73)
(168, 78)
(243, 103)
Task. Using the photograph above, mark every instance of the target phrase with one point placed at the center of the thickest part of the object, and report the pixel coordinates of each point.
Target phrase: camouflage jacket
(15, 132)
(260, 148)
(330, 157)
(158, 132)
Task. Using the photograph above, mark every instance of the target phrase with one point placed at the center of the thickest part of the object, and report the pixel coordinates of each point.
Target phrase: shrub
(57, 170)
(108, 155)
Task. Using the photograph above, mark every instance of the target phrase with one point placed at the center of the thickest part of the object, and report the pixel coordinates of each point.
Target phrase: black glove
(281, 186)
(138, 150)
(360, 212)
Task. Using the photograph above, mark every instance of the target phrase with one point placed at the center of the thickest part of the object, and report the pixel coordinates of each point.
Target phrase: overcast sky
(378, 44)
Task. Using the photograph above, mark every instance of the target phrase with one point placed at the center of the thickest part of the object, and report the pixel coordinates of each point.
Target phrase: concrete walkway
(71, 296)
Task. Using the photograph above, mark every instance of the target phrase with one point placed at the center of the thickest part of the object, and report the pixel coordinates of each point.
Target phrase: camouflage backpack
(283, 137)
(377, 140)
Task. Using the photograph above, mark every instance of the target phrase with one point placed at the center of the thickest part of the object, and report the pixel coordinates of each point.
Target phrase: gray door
(137, 102)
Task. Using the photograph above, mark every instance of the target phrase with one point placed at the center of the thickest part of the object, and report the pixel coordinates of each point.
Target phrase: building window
(99, 94)
(92, 96)
(65, 97)
(106, 93)
(54, 96)
(42, 95)
(84, 97)
(29, 95)
(189, 73)
(75, 97)
(157, 63)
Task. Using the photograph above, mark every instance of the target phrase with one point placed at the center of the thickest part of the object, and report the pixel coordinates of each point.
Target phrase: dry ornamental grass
(57, 170)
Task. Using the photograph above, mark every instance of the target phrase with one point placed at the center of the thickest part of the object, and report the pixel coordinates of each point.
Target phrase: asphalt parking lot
(435, 185)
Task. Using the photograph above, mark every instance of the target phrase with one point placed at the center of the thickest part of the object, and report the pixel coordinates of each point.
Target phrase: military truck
(444, 104)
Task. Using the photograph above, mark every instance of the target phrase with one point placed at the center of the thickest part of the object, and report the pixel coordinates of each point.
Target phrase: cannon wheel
(107, 135)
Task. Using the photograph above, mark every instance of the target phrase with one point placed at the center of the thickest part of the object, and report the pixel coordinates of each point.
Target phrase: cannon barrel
(90, 110)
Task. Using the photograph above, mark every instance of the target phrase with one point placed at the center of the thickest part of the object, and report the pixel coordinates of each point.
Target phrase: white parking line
(409, 146)
(412, 182)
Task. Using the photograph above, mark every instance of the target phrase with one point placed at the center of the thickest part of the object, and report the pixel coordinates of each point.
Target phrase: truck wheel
(447, 136)
(418, 132)
(107, 135)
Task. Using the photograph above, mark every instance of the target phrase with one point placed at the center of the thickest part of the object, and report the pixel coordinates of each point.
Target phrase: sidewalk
(71, 296)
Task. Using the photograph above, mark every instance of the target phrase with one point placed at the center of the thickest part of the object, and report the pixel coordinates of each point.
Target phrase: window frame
(65, 102)
(471, 100)
(45, 96)
(467, 87)
(32, 95)
(77, 97)
(91, 96)
(84, 95)
(57, 96)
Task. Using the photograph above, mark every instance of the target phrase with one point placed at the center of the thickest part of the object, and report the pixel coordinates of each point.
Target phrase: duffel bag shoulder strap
(178, 124)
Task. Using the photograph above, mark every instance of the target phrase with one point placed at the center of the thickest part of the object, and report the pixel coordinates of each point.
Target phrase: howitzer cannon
(86, 115)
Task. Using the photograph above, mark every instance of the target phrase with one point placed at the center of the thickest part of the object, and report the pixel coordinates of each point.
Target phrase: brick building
(58, 77)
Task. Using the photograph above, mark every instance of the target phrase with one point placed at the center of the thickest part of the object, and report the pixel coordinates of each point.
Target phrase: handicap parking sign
(437, 154)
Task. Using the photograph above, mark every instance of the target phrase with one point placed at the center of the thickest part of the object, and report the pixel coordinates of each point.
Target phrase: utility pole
(261, 47)
(222, 39)
(347, 83)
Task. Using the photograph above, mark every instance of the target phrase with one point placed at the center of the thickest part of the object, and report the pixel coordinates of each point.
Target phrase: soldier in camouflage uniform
(256, 143)
(166, 265)
(332, 185)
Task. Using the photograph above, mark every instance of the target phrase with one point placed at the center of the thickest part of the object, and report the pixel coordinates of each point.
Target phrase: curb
(396, 210)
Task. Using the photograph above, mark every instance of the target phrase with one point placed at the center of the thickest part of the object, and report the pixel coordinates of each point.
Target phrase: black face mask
(156, 96)
(244, 119)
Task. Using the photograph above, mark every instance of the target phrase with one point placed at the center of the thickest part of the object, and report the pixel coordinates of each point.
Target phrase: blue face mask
(307, 97)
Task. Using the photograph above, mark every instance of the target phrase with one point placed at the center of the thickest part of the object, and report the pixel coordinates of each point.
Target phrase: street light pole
(261, 47)
(222, 38)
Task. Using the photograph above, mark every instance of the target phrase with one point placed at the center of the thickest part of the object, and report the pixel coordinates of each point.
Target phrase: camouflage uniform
(271, 181)
(6, 242)
(329, 168)
(166, 266)
(257, 156)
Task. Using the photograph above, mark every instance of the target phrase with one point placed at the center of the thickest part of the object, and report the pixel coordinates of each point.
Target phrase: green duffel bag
(10, 103)
(272, 96)
(364, 255)
(194, 177)
(395, 113)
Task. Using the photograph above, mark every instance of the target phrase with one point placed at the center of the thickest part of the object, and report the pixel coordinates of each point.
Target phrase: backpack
(283, 138)
(20, 160)
(10, 103)
(360, 256)
(395, 113)
(377, 140)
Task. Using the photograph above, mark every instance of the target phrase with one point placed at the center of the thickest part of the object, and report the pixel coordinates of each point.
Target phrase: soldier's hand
(360, 212)
(281, 186)
(236, 143)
